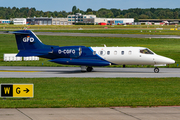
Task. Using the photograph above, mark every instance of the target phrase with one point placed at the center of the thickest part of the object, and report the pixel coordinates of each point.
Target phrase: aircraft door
(80, 51)
(154, 60)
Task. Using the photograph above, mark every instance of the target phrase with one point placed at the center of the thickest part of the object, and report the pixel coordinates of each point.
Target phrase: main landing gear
(89, 69)
(86, 69)
(156, 70)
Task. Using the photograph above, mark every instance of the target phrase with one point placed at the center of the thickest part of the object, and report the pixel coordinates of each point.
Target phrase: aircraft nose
(173, 61)
(170, 61)
(164, 60)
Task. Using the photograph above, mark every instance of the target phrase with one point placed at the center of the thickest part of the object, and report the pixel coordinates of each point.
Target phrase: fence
(12, 57)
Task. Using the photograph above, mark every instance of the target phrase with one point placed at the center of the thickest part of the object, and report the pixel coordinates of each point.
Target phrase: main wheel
(156, 70)
(89, 69)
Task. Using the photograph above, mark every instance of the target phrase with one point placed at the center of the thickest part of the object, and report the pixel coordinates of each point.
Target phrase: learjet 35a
(87, 57)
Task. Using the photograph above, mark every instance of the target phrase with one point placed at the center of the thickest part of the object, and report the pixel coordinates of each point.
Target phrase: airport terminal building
(78, 18)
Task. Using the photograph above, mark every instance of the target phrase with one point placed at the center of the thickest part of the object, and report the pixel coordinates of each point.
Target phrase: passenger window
(122, 52)
(130, 52)
(108, 52)
(115, 52)
(101, 52)
(94, 52)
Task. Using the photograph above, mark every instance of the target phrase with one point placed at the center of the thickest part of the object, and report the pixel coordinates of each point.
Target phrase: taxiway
(103, 35)
(101, 72)
(107, 35)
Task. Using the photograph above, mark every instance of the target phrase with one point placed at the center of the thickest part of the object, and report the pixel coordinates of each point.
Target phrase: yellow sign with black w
(17, 90)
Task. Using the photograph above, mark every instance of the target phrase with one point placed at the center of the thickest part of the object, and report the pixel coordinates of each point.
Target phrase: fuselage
(104, 56)
(131, 56)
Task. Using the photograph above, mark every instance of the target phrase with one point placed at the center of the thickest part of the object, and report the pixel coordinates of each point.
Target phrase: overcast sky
(66, 5)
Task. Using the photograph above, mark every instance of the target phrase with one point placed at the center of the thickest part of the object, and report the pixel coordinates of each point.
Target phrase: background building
(160, 21)
(78, 18)
(61, 21)
(19, 21)
(39, 21)
(3, 21)
(119, 21)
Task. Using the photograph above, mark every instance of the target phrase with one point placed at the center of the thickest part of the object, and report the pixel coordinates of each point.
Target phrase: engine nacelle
(68, 52)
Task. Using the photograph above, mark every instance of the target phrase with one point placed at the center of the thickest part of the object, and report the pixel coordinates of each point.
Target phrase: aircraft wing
(84, 62)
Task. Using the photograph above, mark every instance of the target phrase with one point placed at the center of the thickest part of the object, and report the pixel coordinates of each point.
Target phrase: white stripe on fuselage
(131, 55)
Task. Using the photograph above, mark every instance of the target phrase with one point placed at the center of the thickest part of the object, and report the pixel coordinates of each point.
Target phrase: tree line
(137, 13)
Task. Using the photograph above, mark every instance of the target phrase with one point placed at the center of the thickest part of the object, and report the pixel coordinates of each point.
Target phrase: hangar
(169, 21)
(39, 21)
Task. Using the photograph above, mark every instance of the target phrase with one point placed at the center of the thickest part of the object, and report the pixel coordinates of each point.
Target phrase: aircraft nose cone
(164, 60)
(170, 61)
(173, 61)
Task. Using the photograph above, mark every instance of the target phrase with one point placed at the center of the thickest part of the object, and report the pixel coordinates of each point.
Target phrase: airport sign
(17, 90)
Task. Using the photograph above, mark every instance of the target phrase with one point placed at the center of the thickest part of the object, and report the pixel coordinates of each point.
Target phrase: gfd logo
(27, 39)
(67, 51)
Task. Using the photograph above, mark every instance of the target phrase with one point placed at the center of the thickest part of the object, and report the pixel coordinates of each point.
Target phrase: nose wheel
(156, 70)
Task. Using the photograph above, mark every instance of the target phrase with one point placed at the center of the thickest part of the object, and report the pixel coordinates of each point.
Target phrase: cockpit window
(146, 51)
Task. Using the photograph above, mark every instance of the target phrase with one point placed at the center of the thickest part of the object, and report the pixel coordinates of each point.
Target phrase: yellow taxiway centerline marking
(17, 71)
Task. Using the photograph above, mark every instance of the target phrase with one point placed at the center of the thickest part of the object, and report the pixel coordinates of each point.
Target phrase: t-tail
(30, 45)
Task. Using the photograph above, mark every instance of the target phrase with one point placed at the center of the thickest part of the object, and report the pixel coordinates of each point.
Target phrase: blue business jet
(30, 45)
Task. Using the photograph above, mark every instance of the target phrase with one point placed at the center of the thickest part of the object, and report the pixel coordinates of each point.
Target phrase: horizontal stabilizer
(20, 32)
(6, 32)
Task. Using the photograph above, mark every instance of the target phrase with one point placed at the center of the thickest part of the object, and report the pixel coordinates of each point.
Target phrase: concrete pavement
(102, 72)
(116, 113)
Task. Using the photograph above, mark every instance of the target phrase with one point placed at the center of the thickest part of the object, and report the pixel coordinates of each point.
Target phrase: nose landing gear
(156, 70)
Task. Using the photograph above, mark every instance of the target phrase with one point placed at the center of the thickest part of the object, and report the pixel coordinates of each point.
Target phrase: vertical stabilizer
(27, 40)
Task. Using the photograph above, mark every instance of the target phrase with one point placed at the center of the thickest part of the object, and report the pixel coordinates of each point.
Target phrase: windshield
(146, 51)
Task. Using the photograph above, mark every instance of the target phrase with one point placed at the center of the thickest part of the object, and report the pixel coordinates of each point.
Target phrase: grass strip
(96, 92)
(119, 31)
